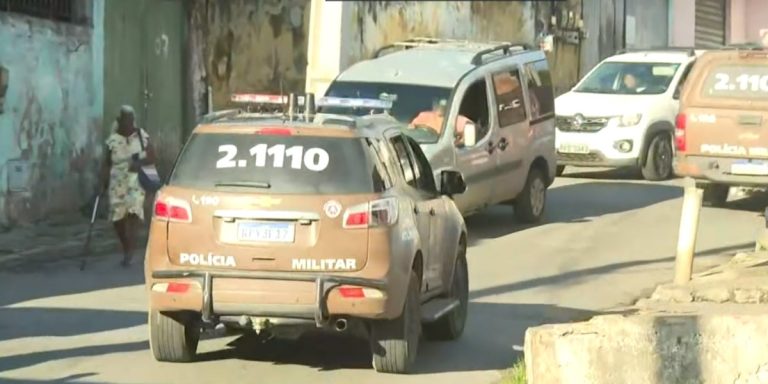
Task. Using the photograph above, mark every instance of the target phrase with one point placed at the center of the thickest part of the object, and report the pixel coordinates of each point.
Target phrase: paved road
(607, 240)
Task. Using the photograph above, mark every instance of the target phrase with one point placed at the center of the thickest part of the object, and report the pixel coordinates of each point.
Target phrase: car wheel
(658, 162)
(395, 343)
(529, 206)
(451, 326)
(172, 340)
(560, 170)
(715, 195)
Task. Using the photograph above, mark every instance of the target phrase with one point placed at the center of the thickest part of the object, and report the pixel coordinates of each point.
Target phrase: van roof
(439, 65)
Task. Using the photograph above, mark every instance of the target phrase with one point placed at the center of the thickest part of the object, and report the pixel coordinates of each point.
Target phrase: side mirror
(470, 132)
(452, 183)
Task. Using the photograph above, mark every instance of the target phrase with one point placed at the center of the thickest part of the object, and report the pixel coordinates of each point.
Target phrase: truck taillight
(172, 209)
(372, 214)
(681, 123)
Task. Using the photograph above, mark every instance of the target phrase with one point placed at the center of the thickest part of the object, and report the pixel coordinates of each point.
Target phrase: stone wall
(50, 124)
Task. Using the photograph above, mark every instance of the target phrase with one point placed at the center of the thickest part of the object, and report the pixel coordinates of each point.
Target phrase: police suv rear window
(281, 164)
(739, 81)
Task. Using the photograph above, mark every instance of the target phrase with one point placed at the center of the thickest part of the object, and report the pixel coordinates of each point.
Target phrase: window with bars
(68, 11)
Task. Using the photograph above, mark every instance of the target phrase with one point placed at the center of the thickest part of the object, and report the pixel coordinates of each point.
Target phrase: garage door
(710, 23)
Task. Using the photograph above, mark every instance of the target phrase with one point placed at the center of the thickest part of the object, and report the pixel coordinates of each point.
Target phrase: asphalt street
(608, 239)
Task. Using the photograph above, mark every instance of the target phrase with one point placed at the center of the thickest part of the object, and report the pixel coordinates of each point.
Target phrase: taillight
(681, 123)
(349, 292)
(371, 214)
(171, 287)
(173, 209)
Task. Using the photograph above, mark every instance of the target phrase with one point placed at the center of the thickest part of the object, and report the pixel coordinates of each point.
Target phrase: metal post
(689, 227)
(291, 106)
(309, 106)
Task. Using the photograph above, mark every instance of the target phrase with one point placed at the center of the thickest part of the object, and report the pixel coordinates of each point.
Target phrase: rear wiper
(248, 184)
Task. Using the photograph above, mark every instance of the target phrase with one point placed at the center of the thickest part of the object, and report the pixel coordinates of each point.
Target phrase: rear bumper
(325, 304)
(715, 170)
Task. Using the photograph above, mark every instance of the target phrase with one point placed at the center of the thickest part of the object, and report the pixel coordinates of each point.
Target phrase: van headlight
(630, 119)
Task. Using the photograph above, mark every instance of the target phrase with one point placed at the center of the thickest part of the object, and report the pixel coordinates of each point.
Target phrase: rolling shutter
(710, 23)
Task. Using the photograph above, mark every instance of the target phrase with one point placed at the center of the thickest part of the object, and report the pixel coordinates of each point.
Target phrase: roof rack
(506, 49)
(432, 41)
(691, 51)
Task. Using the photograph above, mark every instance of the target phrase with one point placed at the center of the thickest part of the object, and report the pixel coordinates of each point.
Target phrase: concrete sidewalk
(713, 329)
(60, 238)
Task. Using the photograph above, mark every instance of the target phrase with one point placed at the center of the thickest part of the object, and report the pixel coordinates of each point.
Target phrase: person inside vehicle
(434, 119)
(632, 83)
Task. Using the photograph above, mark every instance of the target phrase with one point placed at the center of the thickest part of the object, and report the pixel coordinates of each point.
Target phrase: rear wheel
(395, 343)
(658, 162)
(715, 195)
(170, 339)
(451, 326)
(529, 206)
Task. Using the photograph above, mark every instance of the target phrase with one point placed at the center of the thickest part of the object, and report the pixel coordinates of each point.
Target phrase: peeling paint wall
(50, 129)
(378, 23)
(246, 46)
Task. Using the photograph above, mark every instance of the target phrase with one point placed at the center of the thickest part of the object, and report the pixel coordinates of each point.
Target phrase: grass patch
(514, 375)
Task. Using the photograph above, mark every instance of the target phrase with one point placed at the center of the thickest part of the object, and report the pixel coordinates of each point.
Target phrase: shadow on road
(18, 323)
(68, 280)
(573, 203)
(566, 277)
(487, 344)
(66, 379)
(35, 358)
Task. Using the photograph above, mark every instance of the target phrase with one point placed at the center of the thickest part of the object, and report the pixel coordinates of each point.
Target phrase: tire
(560, 170)
(395, 343)
(715, 195)
(171, 340)
(532, 201)
(451, 326)
(658, 161)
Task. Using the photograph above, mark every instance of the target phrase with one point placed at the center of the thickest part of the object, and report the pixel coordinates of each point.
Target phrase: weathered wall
(50, 130)
(246, 46)
(378, 23)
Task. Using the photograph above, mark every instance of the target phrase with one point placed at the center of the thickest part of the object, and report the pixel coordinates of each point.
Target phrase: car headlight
(630, 119)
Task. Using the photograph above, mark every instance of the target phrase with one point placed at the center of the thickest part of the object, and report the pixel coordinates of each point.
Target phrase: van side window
(474, 106)
(510, 104)
(681, 82)
(404, 160)
(542, 98)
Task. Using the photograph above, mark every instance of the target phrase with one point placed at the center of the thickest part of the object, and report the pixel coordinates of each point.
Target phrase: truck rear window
(737, 81)
(277, 164)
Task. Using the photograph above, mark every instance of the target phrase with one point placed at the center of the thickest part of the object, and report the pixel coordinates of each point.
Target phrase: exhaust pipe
(340, 325)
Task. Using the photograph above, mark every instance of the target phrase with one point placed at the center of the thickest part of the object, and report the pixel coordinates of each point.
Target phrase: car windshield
(277, 164)
(737, 81)
(408, 102)
(627, 78)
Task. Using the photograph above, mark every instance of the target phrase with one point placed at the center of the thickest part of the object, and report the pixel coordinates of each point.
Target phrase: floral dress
(125, 193)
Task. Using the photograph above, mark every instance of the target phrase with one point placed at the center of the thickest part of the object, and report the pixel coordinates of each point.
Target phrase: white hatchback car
(622, 113)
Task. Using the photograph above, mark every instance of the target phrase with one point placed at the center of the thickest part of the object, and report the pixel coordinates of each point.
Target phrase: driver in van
(434, 120)
(631, 82)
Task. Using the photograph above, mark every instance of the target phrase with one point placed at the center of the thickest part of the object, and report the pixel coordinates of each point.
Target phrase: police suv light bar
(353, 103)
(257, 98)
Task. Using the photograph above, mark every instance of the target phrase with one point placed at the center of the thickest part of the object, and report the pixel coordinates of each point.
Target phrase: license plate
(574, 148)
(754, 168)
(268, 232)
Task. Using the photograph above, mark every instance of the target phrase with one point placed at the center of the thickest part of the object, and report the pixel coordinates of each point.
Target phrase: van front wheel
(530, 204)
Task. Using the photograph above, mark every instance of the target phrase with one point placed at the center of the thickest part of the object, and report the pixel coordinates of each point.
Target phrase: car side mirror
(470, 135)
(452, 183)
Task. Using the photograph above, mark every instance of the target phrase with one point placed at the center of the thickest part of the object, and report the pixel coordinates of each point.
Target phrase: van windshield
(737, 81)
(408, 100)
(629, 78)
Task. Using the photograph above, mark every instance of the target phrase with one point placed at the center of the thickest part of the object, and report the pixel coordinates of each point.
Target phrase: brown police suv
(721, 129)
(278, 226)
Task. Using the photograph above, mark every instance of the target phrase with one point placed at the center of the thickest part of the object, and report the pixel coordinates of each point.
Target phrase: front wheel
(529, 206)
(395, 343)
(658, 162)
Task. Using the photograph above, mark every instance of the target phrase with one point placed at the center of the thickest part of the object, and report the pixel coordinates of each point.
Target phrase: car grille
(579, 157)
(588, 124)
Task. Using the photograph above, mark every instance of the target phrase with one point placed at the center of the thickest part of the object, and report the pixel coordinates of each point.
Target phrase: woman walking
(124, 157)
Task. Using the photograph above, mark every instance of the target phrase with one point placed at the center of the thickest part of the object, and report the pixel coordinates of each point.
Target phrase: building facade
(712, 23)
